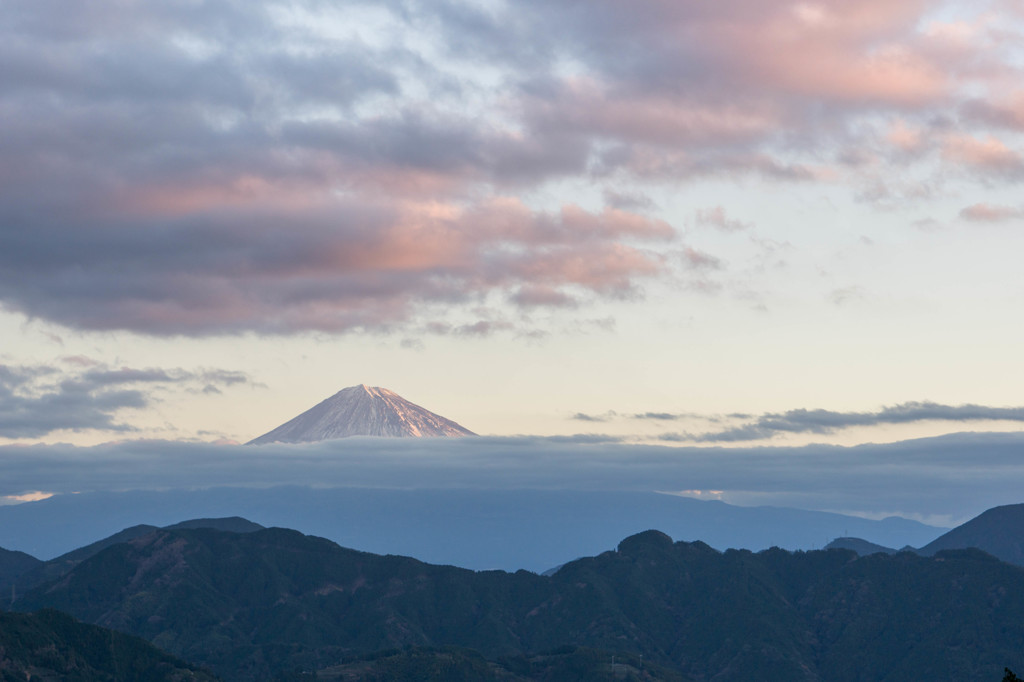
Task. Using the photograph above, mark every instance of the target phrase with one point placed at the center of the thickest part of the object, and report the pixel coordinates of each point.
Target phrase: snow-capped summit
(363, 411)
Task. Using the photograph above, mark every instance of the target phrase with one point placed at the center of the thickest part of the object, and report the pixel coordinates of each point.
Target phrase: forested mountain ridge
(998, 531)
(14, 564)
(24, 571)
(255, 605)
(50, 645)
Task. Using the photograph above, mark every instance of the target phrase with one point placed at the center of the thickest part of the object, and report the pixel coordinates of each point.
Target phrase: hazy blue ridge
(478, 529)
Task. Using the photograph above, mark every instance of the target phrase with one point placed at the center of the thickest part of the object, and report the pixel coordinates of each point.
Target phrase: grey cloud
(36, 401)
(699, 260)
(605, 417)
(663, 57)
(955, 475)
(630, 201)
(70, 406)
(992, 113)
(79, 361)
(846, 295)
(716, 217)
(536, 296)
(826, 421)
(226, 377)
(480, 328)
(125, 375)
(342, 269)
(335, 77)
(575, 439)
(737, 434)
(667, 163)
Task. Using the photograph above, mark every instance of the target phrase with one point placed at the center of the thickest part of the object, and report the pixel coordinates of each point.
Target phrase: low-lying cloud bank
(953, 476)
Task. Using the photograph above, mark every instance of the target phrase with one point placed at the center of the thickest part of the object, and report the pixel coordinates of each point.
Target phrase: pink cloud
(988, 213)
(716, 217)
(733, 87)
(164, 192)
(650, 117)
(905, 137)
(349, 265)
(867, 51)
(989, 155)
(700, 260)
(609, 269)
(1005, 111)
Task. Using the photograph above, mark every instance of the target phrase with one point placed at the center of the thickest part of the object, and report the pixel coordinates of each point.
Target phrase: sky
(730, 224)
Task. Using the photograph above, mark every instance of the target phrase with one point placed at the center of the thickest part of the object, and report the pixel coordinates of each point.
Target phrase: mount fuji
(363, 411)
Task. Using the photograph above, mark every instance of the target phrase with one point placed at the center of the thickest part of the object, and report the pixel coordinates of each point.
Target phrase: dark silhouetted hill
(451, 664)
(231, 524)
(998, 531)
(259, 604)
(50, 645)
(861, 547)
(12, 565)
(41, 572)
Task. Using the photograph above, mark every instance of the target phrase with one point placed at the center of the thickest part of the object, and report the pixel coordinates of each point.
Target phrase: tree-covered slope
(12, 565)
(50, 645)
(256, 604)
(998, 531)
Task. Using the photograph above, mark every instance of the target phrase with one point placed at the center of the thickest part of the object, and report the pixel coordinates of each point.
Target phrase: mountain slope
(363, 411)
(452, 664)
(861, 547)
(40, 572)
(50, 645)
(252, 605)
(12, 565)
(231, 524)
(998, 531)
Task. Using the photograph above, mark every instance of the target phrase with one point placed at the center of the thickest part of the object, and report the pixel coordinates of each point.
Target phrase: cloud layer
(744, 427)
(180, 168)
(827, 421)
(955, 476)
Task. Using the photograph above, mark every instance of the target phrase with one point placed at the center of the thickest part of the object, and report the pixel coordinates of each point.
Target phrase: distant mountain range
(276, 604)
(477, 529)
(363, 411)
(23, 571)
(998, 531)
(861, 547)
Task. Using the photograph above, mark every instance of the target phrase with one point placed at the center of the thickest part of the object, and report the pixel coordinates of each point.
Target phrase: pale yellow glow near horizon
(510, 387)
(33, 496)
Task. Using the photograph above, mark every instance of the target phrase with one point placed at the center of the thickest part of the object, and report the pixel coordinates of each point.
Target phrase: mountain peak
(363, 410)
(998, 531)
